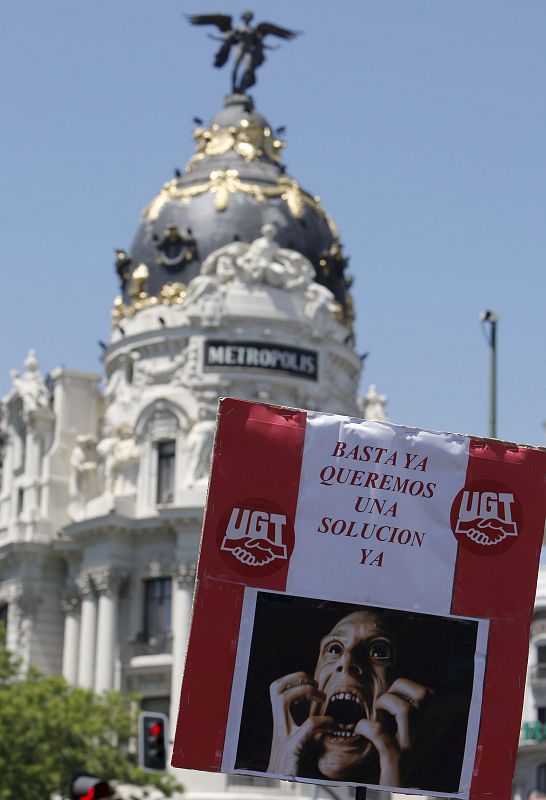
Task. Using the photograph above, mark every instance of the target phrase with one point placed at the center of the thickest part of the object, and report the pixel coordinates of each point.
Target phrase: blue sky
(420, 123)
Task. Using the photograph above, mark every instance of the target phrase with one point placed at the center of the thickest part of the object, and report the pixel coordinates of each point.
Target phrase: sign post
(363, 601)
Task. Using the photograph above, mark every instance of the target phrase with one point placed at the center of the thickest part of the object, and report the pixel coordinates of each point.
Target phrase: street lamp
(491, 318)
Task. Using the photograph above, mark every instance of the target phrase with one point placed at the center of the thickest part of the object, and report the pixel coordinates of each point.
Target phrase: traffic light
(88, 787)
(152, 741)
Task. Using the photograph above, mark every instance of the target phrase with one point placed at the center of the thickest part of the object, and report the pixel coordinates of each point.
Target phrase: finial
(247, 42)
(31, 362)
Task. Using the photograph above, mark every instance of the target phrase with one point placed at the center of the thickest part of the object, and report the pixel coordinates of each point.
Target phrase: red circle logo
(486, 517)
(255, 537)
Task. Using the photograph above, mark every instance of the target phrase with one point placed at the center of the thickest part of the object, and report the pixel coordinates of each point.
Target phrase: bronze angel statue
(247, 41)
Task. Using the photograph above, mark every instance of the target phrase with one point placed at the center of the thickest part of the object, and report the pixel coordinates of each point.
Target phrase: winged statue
(247, 43)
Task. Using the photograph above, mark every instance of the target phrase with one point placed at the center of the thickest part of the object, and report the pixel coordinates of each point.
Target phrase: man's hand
(290, 739)
(399, 701)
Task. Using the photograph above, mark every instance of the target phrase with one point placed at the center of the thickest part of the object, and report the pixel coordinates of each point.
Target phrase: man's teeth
(342, 729)
(347, 696)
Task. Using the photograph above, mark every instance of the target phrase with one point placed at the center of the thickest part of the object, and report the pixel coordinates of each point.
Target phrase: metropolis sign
(293, 360)
(362, 606)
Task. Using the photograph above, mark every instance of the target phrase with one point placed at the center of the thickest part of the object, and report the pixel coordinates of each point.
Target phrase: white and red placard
(363, 602)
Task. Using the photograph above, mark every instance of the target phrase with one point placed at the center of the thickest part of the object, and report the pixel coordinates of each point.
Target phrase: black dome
(232, 186)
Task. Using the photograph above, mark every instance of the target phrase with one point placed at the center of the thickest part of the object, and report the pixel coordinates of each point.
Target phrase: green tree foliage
(51, 730)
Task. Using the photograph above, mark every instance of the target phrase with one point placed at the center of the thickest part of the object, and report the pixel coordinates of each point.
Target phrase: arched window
(159, 429)
(166, 461)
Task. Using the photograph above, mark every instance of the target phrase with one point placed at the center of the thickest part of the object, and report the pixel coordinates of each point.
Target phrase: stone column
(25, 607)
(70, 606)
(183, 581)
(86, 657)
(108, 586)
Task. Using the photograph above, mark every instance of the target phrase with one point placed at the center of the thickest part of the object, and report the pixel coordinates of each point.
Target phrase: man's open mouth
(347, 707)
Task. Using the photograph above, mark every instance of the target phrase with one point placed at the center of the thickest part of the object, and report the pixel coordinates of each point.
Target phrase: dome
(233, 185)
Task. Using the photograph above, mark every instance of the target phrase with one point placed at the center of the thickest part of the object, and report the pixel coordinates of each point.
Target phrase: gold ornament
(223, 183)
(170, 294)
(139, 279)
(247, 139)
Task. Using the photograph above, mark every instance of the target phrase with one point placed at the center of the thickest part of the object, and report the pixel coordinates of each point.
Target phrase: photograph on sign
(337, 692)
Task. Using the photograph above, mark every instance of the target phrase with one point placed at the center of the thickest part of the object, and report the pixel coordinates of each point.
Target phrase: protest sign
(363, 601)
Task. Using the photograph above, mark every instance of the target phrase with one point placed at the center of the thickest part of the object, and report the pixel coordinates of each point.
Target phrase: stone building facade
(236, 285)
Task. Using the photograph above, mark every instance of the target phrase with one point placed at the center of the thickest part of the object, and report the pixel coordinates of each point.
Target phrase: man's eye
(334, 649)
(381, 651)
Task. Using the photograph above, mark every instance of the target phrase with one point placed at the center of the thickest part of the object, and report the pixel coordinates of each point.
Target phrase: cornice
(113, 524)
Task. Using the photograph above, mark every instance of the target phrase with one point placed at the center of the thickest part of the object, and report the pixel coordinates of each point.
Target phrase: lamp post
(491, 318)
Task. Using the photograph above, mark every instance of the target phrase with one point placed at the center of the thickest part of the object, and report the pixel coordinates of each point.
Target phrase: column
(86, 656)
(108, 586)
(70, 606)
(25, 607)
(33, 472)
(182, 596)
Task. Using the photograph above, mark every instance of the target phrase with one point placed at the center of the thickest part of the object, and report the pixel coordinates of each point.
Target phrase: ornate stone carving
(160, 369)
(23, 603)
(320, 302)
(262, 261)
(160, 565)
(161, 425)
(107, 580)
(125, 457)
(184, 573)
(83, 480)
(175, 248)
(30, 386)
(70, 603)
(200, 439)
(84, 584)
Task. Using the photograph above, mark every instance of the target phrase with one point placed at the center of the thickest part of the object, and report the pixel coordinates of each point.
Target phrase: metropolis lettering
(293, 360)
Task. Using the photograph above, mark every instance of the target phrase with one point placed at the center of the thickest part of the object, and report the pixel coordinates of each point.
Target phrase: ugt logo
(256, 534)
(486, 514)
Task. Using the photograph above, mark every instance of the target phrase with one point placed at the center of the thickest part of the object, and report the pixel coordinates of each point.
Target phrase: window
(541, 661)
(541, 714)
(157, 704)
(165, 471)
(20, 501)
(157, 608)
(4, 616)
(541, 778)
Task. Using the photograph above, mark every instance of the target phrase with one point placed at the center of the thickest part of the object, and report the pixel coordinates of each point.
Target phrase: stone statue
(266, 262)
(261, 261)
(200, 442)
(372, 405)
(125, 462)
(83, 480)
(30, 386)
(247, 41)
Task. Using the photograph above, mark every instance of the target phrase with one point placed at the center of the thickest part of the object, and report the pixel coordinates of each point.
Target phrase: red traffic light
(96, 792)
(88, 787)
(152, 741)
